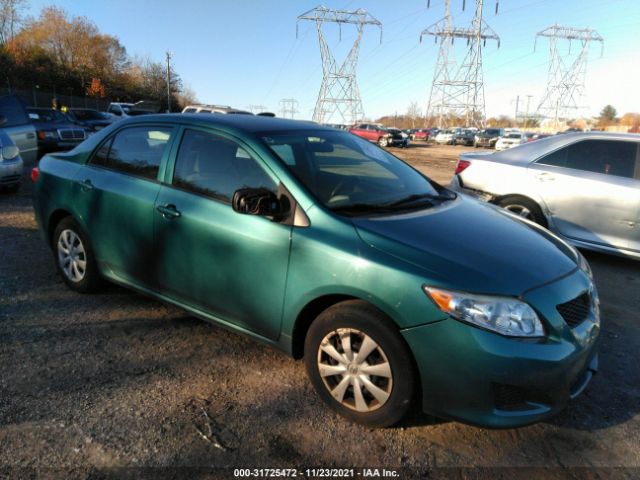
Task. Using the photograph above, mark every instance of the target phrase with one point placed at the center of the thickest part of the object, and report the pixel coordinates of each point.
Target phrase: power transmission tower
(458, 93)
(566, 79)
(339, 92)
(288, 107)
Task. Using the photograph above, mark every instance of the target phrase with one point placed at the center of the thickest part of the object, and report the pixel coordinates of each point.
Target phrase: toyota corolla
(395, 290)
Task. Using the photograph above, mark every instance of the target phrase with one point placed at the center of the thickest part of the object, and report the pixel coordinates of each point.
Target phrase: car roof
(528, 152)
(242, 123)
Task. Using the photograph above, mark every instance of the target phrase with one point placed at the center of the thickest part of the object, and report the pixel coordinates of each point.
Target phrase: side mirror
(258, 201)
(3, 120)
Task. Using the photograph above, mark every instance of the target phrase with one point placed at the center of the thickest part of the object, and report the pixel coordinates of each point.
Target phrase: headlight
(46, 134)
(504, 315)
(9, 153)
(583, 264)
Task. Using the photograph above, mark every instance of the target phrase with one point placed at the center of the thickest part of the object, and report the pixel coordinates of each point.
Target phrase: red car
(373, 132)
(421, 134)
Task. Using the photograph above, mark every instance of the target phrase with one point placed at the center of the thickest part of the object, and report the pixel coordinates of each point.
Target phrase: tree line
(63, 53)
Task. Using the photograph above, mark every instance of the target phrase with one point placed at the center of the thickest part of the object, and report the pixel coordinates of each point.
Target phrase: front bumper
(11, 171)
(485, 379)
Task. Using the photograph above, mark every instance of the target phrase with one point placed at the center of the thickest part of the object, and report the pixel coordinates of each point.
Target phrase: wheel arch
(313, 309)
(54, 219)
(541, 205)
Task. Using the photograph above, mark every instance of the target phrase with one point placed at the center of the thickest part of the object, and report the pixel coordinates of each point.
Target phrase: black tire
(356, 320)
(521, 205)
(90, 280)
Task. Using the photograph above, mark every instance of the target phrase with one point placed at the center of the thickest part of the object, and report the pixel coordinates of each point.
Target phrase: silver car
(10, 163)
(585, 187)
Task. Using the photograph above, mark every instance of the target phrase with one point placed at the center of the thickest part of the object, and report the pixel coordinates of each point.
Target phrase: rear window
(136, 151)
(12, 109)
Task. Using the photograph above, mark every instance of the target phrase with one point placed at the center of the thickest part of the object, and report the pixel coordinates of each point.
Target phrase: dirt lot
(94, 384)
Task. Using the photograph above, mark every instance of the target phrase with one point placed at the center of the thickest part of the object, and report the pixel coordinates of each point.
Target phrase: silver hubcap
(355, 370)
(520, 210)
(71, 255)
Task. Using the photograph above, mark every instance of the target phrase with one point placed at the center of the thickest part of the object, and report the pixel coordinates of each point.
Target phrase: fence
(39, 98)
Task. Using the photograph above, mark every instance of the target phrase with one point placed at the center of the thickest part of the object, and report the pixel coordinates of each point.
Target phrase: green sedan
(395, 290)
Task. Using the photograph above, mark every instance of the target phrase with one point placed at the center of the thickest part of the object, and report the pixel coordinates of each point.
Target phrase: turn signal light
(35, 173)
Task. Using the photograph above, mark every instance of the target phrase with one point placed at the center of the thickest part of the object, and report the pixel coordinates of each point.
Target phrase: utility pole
(459, 93)
(339, 92)
(168, 81)
(288, 107)
(526, 120)
(566, 78)
(517, 104)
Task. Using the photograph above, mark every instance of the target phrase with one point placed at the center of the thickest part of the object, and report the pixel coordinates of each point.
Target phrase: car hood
(472, 246)
(56, 126)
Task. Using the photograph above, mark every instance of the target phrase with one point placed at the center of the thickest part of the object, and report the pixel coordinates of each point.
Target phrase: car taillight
(35, 173)
(462, 166)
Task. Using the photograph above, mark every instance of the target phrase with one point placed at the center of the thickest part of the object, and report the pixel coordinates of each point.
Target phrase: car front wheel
(383, 141)
(74, 257)
(359, 364)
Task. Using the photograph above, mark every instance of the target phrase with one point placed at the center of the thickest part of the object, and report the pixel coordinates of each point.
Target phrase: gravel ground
(116, 384)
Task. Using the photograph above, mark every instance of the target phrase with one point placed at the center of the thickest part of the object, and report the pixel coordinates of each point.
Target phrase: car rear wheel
(74, 257)
(383, 141)
(525, 208)
(359, 364)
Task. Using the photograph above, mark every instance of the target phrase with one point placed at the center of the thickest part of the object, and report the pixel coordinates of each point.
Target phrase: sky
(245, 52)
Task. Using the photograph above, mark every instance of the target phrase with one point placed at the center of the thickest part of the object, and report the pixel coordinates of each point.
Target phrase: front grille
(10, 179)
(575, 311)
(71, 134)
(514, 398)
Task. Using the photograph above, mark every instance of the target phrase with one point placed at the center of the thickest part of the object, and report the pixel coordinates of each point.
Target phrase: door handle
(545, 177)
(168, 211)
(86, 185)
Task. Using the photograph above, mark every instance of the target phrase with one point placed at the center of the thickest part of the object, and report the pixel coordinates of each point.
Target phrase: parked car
(398, 138)
(583, 187)
(538, 136)
(18, 127)
(319, 243)
(89, 118)
(510, 140)
(488, 137)
(122, 110)
(214, 109)
(11, 164)
(445, 137)
(374, 132)
(55, 131)
(421, 134)
(464, 137)
(119, 109)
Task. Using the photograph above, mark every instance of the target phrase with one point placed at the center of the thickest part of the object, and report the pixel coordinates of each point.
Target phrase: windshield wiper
(420, 197)
(361, 208)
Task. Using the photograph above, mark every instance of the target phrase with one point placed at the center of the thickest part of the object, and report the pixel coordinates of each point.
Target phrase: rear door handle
(86, 185)
(168, 211)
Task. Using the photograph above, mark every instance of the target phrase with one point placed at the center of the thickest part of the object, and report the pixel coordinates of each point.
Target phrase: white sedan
(510, 140)
(584, 187)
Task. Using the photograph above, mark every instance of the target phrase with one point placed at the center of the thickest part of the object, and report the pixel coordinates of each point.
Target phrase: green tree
(608, 114)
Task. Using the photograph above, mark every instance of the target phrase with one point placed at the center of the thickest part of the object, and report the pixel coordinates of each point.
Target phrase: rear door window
(607, 157)
(136, 151)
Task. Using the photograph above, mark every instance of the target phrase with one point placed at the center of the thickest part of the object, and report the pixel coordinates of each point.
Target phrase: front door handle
(546, 177)
(168, 211)
(86, 185)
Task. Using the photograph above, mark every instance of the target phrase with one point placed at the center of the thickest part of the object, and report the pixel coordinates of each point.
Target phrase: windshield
(491, 132)
(513, 135)
(49, 116)
(351, 175)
